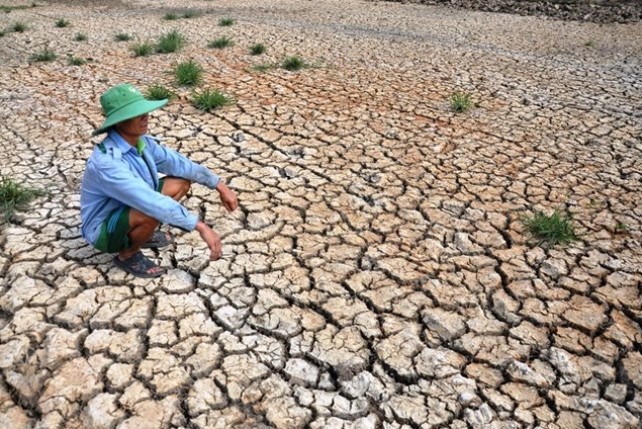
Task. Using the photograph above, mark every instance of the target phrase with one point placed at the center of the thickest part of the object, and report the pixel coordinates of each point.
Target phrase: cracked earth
(377, 274)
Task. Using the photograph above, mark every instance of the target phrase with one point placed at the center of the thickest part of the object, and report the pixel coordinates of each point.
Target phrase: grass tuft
(460, 102)
(2, 33)
(210, 99)
(7, 9)
(80, 37)
(190, 14)
(142, 49)
(188, 73)
(261, 68)
(44, 56)
(62, 23)
(257, 49)
(170, 42)
(75, 61)
(122, 37)
(293, 63)
(159, 92)
(14, 196)
(170, 16)
(554, 229)
(19, 27)
(220, 43)
(226, 22)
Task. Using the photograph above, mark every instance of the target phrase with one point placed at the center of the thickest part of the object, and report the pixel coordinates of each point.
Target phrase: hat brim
(130, 111)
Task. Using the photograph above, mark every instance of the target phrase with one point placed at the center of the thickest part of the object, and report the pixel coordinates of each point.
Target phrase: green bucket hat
(123, 102)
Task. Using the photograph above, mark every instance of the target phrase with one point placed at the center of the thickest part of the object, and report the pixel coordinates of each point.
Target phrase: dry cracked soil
(378, 273)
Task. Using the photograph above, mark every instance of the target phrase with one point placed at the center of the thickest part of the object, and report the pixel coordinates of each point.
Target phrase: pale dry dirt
(377, 274)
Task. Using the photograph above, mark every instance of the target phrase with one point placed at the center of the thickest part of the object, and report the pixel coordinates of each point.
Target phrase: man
(122, 200)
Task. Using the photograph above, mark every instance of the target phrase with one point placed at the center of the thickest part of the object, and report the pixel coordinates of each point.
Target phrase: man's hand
(211, 238)
(228, 197)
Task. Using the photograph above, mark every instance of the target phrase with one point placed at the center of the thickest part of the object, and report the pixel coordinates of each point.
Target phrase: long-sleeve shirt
(118, 174)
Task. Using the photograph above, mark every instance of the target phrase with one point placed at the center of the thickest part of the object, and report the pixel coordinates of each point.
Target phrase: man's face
(134, 127)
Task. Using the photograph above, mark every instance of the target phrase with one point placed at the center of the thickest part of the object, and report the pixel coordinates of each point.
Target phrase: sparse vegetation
(188, 73)
(142, 49)
(14, 196)
(18, 27)
(293, 63)
(589, 44)
(190, 14)
(460, 102)
(159, 92)
(122, 37)
(210, 99)
(75, 61)
(554, 229)
(257, 49)
(220, 43)
(225, 22)
(170, 16)
(621, 228)
(80, 37)
(2, 33)
(62, 23)
(44, 56)
(7, 9)
(261, 67)
(170, 42)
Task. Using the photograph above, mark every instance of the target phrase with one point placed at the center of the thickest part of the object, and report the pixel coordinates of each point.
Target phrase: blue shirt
(121, 176)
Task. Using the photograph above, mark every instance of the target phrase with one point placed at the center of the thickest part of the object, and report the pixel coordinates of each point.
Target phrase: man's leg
(143, 226)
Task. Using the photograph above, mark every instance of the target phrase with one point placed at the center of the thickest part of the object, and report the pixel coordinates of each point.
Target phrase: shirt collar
(122, 144)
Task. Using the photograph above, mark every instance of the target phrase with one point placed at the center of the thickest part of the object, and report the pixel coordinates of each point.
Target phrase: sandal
(157, 240)
(139, 265)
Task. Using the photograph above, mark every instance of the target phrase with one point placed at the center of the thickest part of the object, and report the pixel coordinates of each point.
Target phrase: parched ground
(377, 274)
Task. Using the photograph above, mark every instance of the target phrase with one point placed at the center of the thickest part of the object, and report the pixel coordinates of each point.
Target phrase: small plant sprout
(14, 196)
(62, 23)
(621, 228)
(589, 44)
(554, 229)
(261, 68)
(210, 99)
(188, 73)
(225, 22)
(460, 102)
(159, 92)
(80, 37)
(122, 37)
(45, 55)
(142, 49)
(75, 61)
(257, 49)
(220, 43)
(170, 16)
(190, 14)
(170, 42)
(293, 63)
(19, 27)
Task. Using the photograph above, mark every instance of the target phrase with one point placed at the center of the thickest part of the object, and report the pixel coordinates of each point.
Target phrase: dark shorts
(114, 231)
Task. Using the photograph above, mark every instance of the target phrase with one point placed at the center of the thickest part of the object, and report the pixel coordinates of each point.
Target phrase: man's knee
(141, 220)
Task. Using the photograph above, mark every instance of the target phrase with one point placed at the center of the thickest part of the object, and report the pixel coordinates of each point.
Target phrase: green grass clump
(293, 63)
(210, 100)
(62, 23)
(188, 73)
(554, 229)
(220, 43)
(170, 42)
(44, 56)
(7, 9)
(225, 22)
(122, 37)
(257, 49)
(19, 27)
(142, 49)
(2, 33)
(190, 14)
(170, 16)
(261, 68)
(75, 61)
(159, 92)
(14, 196)
(460, 102)
(80, 37)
